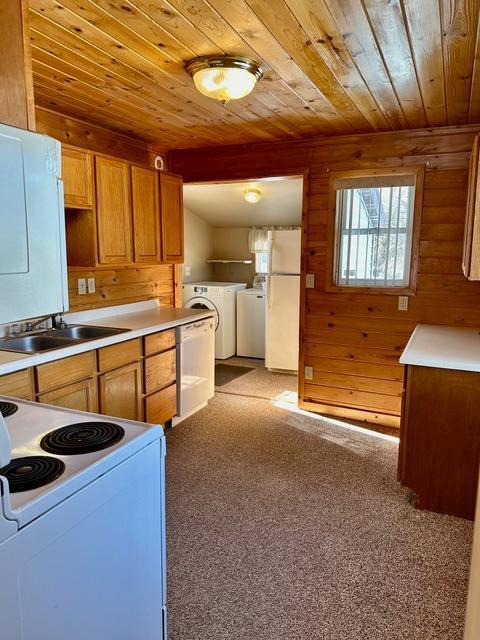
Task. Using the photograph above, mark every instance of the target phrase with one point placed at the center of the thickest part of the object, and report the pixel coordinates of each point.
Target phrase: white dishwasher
(196, 363)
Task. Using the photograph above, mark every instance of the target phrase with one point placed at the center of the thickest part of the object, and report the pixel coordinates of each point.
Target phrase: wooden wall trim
(353, 340)
(16, 96)
(93, 137)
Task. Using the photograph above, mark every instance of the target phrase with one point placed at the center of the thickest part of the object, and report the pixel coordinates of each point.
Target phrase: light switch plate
(188, 270)
(308, 373)
(82, 286)
(91, 285)
(403, 303)
(310, 281)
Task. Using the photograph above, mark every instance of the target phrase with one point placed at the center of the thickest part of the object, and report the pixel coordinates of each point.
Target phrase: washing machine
(220, 297)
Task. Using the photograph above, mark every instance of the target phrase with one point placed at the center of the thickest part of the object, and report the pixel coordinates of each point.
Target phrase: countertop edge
(415, 355)
(24, 361)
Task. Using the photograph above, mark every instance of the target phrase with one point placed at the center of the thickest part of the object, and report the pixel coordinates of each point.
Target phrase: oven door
(93, 566)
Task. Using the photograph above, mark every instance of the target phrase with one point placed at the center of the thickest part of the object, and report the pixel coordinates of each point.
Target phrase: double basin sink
(56, 338)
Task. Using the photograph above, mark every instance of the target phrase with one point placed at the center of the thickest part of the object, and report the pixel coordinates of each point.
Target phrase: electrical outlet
(188, 270)
(308, 373)
(310, 281)
(91, 285)
(82, 286)
(403, 303)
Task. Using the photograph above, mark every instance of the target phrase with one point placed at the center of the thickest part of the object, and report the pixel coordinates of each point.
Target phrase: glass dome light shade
(224, 84)
(224, 78)
(252, 195)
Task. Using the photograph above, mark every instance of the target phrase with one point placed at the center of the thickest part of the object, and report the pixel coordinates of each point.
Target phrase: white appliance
(82, 526)
(33, 263)
(196, 363)
(221, 298)
(251, 323)
(282, 323)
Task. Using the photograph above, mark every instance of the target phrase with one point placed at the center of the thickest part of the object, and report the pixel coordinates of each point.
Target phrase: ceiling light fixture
(224, 78)
(252, 195)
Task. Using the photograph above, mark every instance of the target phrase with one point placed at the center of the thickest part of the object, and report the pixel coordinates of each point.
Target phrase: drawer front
(65, 371)
(118, 355)
(162, 405)
(158, 342)
(160, 370)
(18, 385)
(81, 396)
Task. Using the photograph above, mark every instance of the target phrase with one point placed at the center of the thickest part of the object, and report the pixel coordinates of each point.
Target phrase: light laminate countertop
(139, 318)
(443, 347)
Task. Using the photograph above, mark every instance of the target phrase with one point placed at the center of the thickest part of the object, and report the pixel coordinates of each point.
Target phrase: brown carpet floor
(282, 526)
(259, 382)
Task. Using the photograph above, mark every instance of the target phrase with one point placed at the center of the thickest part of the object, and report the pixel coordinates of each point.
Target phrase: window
(261, 261)
(374, 230)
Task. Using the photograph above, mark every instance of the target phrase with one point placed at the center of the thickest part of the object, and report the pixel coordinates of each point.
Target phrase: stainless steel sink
(34, 344)
(57, 338)
(86, 332)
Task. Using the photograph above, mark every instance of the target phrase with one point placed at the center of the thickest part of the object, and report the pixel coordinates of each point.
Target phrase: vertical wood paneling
(352, 340)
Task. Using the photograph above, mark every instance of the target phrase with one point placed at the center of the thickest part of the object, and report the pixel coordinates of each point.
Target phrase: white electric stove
(82, 525)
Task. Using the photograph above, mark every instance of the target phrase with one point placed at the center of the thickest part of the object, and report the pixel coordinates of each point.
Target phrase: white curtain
(260, 243)
(260, 240)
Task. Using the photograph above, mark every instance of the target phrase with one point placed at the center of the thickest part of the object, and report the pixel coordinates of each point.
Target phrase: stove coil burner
(82, 437)
(31, 472)
(7, 408)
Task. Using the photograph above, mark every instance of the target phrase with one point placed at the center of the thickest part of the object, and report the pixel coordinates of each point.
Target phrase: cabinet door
(18, 385)
(146, 216)
(81, 396)
(121, 392)
(171, 193)
(77, 175)
(114, 220)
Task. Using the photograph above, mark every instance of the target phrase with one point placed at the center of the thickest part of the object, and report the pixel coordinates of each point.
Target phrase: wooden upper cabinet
(114, 215)
(147, 241)
(171, 195)
(471, 243)
(77, 175)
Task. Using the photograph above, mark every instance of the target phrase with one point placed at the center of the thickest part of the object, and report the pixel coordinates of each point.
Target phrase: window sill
(383, 291)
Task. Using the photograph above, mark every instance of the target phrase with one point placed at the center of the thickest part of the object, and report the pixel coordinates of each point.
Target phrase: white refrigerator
(282, 318)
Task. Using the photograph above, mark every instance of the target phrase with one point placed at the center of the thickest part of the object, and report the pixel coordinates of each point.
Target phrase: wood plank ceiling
(332, 66)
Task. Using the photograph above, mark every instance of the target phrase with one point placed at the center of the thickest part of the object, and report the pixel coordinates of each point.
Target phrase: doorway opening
(243, 248)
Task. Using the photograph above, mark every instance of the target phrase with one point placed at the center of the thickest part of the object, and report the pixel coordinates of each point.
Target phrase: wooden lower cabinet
(18, 385)
(440, 439)
(162, 405)
(121, 392)
(81, 396)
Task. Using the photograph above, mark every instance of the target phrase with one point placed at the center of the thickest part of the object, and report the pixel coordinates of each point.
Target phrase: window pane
(261, 262)
(374, 236)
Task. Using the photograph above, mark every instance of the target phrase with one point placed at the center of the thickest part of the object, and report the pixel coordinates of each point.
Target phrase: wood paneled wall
(16, 96)
(113, 286)
(353, 341)
(121, 286)
(90, 136)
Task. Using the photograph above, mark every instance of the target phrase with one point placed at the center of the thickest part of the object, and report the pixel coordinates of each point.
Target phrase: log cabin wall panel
(122, 286)
(353, 340)
(331, 66)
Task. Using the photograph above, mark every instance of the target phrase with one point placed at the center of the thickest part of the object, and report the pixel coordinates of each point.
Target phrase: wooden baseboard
(368, 417)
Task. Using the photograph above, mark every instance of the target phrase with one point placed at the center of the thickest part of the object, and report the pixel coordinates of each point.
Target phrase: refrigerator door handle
(269, 291)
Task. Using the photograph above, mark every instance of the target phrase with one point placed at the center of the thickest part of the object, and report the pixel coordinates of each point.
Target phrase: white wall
(198, 247)
(231, 243)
